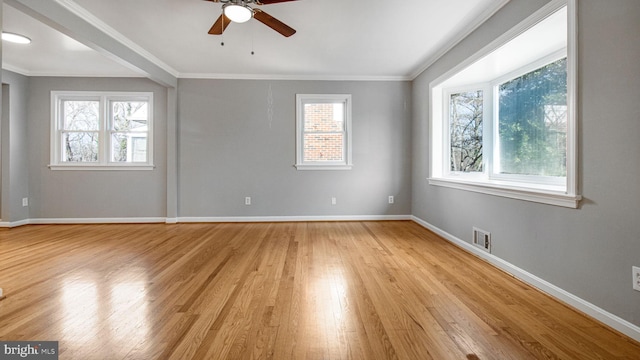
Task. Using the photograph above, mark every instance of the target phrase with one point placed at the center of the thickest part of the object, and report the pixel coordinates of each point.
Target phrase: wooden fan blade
(220, 25)
(267, 2)
(273, 23)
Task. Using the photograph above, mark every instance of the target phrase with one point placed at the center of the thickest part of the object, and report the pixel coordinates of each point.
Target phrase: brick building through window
(323, 132)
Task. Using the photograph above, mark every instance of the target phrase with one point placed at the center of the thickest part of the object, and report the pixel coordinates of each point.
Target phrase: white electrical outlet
(636, 278)
(391, 199)
(247, 200)
(25, 201)
(333, 201)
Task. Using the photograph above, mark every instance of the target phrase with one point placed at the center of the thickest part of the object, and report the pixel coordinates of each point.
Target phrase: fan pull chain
(253, 32)
(222, 32)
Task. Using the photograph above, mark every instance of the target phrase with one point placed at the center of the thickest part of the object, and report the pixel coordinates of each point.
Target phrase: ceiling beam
(71, 20)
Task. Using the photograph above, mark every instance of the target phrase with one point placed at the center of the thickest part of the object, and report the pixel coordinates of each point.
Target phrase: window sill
(96, 167)
(537, 194)
(322, 167)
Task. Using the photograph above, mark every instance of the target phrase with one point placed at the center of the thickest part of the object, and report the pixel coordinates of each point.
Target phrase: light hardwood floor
(343, 290)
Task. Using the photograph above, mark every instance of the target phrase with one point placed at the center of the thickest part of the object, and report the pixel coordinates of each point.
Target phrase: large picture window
(532, 122)
(503, 123)
(323, 126)
(99, 130)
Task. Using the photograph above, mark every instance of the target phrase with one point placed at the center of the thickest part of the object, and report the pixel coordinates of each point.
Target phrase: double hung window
(101, 130)
(323, 132)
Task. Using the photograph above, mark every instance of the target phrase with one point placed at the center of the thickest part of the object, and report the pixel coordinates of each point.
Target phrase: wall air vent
(482, 239)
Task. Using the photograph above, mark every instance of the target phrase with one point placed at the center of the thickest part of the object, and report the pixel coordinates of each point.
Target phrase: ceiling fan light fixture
(15, 38)
(238, 13)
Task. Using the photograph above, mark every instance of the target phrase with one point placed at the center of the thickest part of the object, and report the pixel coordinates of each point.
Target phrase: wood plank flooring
(339, 290)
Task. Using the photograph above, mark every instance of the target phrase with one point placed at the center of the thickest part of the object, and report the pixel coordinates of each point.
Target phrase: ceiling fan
(239, 11)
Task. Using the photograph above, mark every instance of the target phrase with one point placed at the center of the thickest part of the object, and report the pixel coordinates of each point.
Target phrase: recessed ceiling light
(15, 38)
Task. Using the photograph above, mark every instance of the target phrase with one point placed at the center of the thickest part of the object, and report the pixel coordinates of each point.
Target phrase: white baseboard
(292, 218)
(614, 321)
(219, 219)
(7, 224)
(132, 220)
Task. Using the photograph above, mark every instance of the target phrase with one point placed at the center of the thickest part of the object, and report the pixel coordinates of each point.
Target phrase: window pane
(324, 117)
(139, 149)
(130, 115)
(129, 147)
(465, 129)
(81, 115)
(532, 122)
(80, 146)
(323, 147)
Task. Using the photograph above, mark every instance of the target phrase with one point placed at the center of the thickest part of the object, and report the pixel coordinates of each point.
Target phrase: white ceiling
(335, 39)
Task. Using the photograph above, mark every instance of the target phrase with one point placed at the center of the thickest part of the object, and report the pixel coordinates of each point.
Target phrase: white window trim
(565, 195)
(300, 164)
(103, 162)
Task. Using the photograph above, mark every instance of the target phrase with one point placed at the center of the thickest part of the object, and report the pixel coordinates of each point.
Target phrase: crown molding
(15, 69)
(205, 76)
(292, 77)
(24, 72)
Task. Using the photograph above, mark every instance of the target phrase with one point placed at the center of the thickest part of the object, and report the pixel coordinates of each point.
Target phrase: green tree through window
(533, 122)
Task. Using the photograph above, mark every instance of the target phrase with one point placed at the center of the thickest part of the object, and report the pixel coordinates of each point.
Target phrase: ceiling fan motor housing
(240, 2)
(239, 11)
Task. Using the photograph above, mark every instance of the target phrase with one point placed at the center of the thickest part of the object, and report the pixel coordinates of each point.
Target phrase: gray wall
(588, 251)
(15, 144)
(93, 194)
(229, 148)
